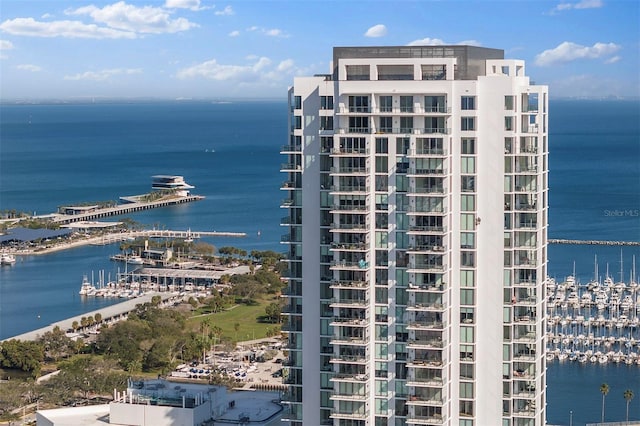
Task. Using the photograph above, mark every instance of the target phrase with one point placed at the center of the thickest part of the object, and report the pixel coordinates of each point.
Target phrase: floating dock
(594, 242)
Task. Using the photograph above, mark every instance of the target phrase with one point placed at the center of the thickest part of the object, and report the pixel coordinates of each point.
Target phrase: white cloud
(612, 60)
(183, 4)
(427, 42)
(285, 65)
(582, 4)
(69, 29)
(6, 45)
(568, 51)
(29, 67)
(376, 31)
(227, 11)
(146, 19)
(235, 33)
(104, 74)
(261, 69)
(469, 43)
(274, 32)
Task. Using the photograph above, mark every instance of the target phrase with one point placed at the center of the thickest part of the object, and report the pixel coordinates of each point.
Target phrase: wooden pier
(99, 213)
(594, 242)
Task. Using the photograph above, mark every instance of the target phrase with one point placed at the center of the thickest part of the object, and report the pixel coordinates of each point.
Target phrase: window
(382, 164)
(434, 72)
(468, 103)
(468, 123)
(467, 222)
(326, 102)
(466, 408)
(326, 122)
(358, 104)
(358, 124)
(297, 102)
(467, 278)
(467, 315)
(382, 145)
(386, 103)
(406, 103)
(466, 334)
(395, 72)
(467, 165)
(467, 259)
(468, 146)
(358, 72)
(467, 371)
(466, 297)
(468, 183)
(467, 240)
(386, 125)
(466, 353)
(406, 124)
(467, 203)
(508, 123)
(466, 390)
(509, 102)
(297, 122)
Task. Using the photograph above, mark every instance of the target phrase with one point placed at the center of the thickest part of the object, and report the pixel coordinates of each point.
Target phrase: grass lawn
(246, 316)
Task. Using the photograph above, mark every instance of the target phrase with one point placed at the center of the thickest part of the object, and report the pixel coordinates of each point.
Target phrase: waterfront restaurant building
(416, 229)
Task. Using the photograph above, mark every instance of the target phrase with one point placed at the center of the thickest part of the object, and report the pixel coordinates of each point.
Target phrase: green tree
(22, 355)
(98, 317)
(604, 390)
(273, 311)
(56, 344)
(628, 396)
(75, 325)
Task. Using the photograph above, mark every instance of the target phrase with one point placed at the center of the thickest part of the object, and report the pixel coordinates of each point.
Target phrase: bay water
(62, 154)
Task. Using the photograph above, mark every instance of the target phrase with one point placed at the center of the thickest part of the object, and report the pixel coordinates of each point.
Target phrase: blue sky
(252, 49)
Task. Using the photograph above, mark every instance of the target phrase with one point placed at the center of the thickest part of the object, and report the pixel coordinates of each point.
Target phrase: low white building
(162, 402)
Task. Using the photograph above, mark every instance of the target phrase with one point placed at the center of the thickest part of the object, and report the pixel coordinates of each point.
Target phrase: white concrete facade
(416, 193)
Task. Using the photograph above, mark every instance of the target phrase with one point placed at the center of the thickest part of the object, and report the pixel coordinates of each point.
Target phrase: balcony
(426, 325)
(349, 246)
(350, 340)
(349, 322)
(290, 167)
(425, 343)
(350, 359)
(349, 303)
(415, 419)
(425, 248)
(433, 152)
(425, 363)
(425, 306)
(358, 415)
(349, 151)
(348, 377)
(426, 190)
(349, 189)
(427, 287)
(337, 227)
(416, 267)
(426, 229)
(343, 265)
(412, 172)
(290, 149)
(335, 171)
(348, 397)
(349, 284)
(424, 400)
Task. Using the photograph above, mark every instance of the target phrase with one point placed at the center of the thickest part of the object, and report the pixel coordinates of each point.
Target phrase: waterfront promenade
(110, 314)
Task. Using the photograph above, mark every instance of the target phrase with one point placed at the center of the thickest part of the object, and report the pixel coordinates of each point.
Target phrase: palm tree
(628, 396)
(604, 390)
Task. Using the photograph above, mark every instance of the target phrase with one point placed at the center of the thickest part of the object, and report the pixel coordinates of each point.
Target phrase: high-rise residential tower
(416, 196)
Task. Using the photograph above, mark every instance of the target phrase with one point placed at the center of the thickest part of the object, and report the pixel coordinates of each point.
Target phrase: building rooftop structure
(162, 402)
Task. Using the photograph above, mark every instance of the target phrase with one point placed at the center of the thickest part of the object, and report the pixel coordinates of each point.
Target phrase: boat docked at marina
(7, 259)
(87, 288)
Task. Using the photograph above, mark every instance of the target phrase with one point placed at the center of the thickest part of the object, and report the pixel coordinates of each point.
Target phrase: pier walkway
(110, 314)
(161, 233)
(594, 242)
(138, 206)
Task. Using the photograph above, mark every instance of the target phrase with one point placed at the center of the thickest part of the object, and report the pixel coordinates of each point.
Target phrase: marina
(595, 322)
